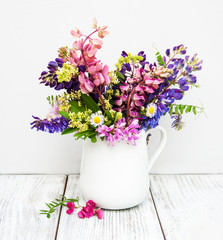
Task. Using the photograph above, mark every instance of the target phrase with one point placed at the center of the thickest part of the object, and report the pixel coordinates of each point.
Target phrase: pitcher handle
(160, 147)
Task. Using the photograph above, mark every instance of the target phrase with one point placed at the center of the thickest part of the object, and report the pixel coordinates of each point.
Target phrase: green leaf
(194, 110)
(107, 112)
(188, 109)
(160, 59)
(69, 130)
(64, 114)
(83, 133)
(171, 110)
(75, 107)
(119, 75)
(93, 139)
(181, 109)
(91, 104)
(176, 109)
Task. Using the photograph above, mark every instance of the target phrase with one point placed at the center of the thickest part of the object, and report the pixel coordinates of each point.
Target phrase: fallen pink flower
(71, 207)
(99, 213)
(91, 204)
(86, 212)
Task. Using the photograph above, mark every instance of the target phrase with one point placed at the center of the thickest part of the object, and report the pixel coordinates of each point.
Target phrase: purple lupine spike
(189, 69)
(82, 68)
(52, 126)
(192, 78)
(127, 66)
(184, 88)
(183, 51)
(124, 54)
(52, 66)
(170, 66)
(182, 81)
(60, 62)
(168, 52)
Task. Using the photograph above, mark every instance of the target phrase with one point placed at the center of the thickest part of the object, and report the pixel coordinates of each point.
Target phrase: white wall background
(31, 33)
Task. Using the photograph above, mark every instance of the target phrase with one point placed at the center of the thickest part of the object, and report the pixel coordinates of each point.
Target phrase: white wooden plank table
(21, 198)
(190, 207)
(180, 207)
(136, 223)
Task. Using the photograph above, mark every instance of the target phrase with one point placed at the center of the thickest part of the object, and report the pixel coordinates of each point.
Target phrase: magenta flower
(120, 132)
(99, 213)
(71, 207)
(91, 204)
(87, 212)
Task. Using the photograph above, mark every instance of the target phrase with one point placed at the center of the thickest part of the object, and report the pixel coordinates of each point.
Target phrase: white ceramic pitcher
(117, 177)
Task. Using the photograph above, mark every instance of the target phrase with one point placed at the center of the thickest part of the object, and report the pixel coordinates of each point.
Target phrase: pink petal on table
(99, 213)
(81, 215)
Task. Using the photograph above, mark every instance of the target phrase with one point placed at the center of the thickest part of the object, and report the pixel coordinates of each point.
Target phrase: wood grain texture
(138, 223)
(190, 207)
(21, 198)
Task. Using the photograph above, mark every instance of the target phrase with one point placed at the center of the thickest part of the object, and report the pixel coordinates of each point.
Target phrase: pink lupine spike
(105, 69)
(97, 43)
(77, 45)
(138, 73)
(148, 90)
(124, 87)
(92, 69)
(76, 33)
(101, 78)
(118, 102)
(89, 85)
(94, 23)
(97, 82)
(92, 52)
(107, 79)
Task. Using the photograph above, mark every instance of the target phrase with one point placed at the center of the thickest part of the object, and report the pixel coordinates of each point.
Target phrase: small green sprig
(58, 202)
(181, 108)
(51, 99)
(160, 59)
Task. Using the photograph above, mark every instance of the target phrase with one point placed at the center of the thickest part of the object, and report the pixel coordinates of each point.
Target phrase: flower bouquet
(115, 105)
